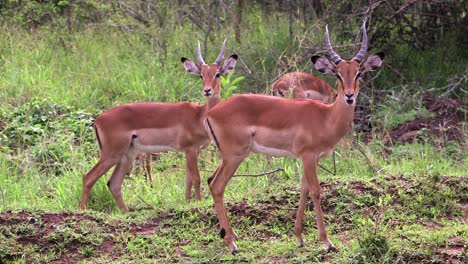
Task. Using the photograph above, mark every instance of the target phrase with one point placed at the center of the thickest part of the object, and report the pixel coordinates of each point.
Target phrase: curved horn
(335, 57)
(221, 53)
(363, 50)
(200, 58)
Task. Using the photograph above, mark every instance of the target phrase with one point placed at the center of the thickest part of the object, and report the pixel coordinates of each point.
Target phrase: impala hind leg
(192, 175)
(115, 182)
(90, 178)
(309, 163)
(217, 187)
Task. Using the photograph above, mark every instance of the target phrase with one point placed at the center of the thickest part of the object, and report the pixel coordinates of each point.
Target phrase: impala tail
(97, 136)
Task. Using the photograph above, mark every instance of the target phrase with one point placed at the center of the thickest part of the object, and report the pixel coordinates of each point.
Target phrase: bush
(44, 120)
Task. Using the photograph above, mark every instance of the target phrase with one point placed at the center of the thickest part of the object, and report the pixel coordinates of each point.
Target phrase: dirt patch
(107, 247)
(260, 213)
(446, 124)
(454, 249)
(148, 228)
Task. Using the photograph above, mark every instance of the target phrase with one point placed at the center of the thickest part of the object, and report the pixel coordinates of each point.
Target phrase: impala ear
(373, 62)
(229, 64)
(190, 66)
(323, 65)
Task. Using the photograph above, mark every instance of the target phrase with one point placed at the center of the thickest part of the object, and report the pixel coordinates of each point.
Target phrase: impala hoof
(233, 248)
(332, 248)
(235, 251)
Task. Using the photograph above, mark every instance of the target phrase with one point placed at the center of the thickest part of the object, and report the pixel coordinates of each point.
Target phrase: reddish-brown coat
(305, 86)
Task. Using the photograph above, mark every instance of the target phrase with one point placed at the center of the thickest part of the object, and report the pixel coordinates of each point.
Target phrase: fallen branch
(451, 87)
(370, 162)
(259, 174)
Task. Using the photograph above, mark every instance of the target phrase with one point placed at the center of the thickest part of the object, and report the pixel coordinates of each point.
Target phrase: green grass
(94, 69)
(34, 185)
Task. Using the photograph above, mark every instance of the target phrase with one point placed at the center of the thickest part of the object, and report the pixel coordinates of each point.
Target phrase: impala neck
(212, 101)
(341, 116)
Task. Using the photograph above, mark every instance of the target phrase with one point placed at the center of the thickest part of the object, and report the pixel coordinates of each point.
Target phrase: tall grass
(95, 69)
(30, 185)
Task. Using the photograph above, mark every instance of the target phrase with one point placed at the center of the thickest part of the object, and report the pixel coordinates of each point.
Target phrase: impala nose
(207, 91)
(349, 98)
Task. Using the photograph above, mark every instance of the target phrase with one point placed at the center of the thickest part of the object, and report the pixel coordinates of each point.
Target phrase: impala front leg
(115, 182)
(309, 163)
(217, 186)
(192, 175)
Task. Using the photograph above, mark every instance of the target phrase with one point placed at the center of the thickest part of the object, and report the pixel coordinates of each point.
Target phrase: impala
(303, 85)
(298, 128)
(125, 131)
(144, 159)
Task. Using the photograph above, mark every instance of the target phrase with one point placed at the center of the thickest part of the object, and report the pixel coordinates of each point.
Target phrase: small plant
(87, 251)
(373, 243)
(229, 86)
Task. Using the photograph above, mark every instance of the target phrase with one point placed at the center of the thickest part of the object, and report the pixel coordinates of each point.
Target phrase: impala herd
(275, 126)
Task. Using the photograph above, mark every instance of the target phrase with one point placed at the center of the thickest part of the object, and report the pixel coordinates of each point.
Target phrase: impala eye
(201, 76)
(217, 75)
(338, 76)
(358, 74)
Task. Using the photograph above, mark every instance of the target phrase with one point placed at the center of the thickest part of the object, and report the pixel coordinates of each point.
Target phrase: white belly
(326, 153)
(270, 151)
(153, 148)
(155, 140)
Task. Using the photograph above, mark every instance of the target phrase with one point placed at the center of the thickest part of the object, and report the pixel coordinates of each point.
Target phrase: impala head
(211, 73)
(348, 73)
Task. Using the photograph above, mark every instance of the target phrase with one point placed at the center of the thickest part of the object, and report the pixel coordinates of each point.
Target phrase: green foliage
(229, 86)
(57, 14)
(37, 121)
(398, 108)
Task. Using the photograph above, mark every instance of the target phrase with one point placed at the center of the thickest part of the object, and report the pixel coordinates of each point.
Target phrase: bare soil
(446, 124)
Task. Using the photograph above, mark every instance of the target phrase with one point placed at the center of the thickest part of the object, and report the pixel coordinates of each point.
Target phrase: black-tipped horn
(221, 53)
(363, 50)
(335, 57)
(200, 58)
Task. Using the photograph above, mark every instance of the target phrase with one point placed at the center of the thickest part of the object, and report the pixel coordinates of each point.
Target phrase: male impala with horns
(276, 126)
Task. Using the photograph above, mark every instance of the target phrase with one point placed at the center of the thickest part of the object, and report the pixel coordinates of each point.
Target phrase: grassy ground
(399, 215)
(377, 222)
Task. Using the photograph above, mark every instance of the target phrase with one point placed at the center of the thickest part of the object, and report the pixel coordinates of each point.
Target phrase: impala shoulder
(314, 105)
(187, 105)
